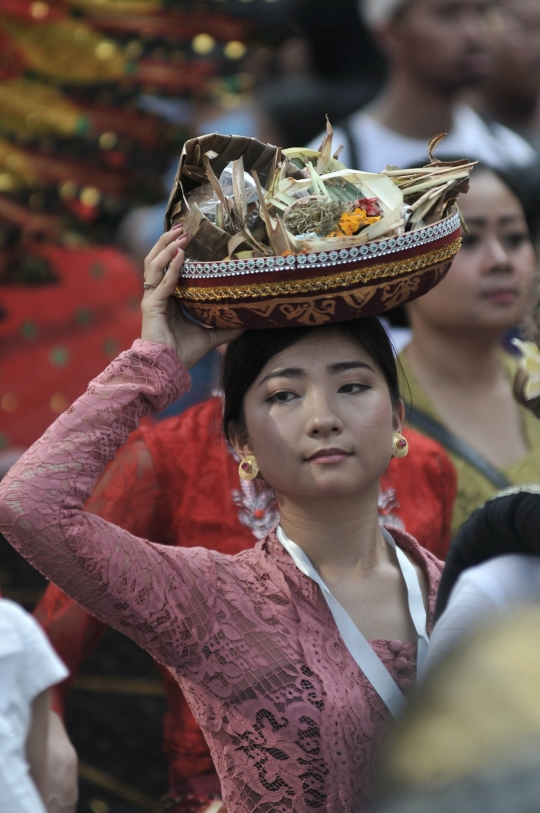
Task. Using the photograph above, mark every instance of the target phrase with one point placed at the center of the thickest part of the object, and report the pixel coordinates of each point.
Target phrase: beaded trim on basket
(322, 259)
(323, 283)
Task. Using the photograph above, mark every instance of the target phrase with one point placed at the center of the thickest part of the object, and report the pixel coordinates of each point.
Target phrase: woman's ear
(398, 415)
(240, 443)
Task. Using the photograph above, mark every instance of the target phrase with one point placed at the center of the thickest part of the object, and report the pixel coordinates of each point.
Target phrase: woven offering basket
(301, 287)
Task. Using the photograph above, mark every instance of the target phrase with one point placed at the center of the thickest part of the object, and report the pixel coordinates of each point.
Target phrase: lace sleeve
(137, 586)
(127, 494)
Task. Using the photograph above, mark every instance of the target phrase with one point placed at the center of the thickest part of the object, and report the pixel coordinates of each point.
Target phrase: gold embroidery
(342, 279)
(315, 309)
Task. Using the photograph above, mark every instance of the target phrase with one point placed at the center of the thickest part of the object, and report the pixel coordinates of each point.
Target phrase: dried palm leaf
(202, 161)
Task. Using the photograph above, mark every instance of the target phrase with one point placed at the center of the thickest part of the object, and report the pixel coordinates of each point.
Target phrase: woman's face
(489, 284)
(319, 418)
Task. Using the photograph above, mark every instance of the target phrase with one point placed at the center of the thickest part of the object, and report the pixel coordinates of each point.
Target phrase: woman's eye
(516, 239)
(282, 397)
(470, 241)
(354, 388)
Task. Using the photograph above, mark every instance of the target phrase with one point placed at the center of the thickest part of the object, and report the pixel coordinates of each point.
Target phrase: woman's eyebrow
(476, 221)
(343, 366)
(298, 372)
(481, 221)
(284, 372)
(512, 219)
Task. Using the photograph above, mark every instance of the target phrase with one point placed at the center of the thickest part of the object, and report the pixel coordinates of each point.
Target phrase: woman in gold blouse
(459, 379)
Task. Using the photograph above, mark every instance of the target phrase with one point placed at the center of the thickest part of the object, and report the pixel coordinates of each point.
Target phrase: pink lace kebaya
(291, 721)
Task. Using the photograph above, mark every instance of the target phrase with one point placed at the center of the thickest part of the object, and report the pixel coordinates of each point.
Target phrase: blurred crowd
(96, 100)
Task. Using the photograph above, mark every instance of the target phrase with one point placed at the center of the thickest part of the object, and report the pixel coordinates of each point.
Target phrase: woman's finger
(162, 243)
(169, 277)
(155, 270)
(170, 280)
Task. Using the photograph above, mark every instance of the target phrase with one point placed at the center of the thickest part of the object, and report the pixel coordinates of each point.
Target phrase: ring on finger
(148, 285)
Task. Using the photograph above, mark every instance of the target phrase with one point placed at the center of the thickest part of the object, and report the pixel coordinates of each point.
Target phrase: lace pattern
(291, 723)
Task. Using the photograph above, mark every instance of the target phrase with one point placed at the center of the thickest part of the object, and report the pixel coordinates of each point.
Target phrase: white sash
(360, 649)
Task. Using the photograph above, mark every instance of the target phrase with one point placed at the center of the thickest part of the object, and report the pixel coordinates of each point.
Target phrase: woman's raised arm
(111, 573)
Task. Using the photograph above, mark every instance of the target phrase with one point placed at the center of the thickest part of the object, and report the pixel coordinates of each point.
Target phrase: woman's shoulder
(411, 546)
(425, 560)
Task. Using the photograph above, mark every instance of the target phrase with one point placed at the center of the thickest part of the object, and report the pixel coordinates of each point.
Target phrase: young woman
(459, 377)
(269, 646)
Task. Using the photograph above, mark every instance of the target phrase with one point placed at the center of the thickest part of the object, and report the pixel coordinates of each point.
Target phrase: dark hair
(247, 355)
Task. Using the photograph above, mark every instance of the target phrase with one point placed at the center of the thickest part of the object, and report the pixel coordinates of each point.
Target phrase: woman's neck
(338, 535)
(471, 359)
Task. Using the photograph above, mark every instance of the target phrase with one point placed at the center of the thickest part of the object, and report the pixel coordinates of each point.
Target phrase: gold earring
(400, 445)
(248, 468)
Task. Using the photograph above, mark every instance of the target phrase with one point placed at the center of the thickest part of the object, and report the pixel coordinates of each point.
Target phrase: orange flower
(351, 222)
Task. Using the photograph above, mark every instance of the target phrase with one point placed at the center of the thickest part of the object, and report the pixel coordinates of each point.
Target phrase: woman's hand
(162, 318)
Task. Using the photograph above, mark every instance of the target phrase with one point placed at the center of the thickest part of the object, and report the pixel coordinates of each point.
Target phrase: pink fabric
(291, 722)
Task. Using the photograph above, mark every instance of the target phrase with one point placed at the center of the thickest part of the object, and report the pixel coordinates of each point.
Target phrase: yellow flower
(351, 222)
(530, 364)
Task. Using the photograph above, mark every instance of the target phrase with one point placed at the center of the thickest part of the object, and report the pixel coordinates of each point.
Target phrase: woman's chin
(335, 486)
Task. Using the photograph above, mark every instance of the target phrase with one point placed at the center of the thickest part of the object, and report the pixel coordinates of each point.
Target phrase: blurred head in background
(513, 85)
(440, 43)
(487, 290)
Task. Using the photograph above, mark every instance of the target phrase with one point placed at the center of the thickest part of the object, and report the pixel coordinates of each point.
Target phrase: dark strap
(352, 146)
(419, 420)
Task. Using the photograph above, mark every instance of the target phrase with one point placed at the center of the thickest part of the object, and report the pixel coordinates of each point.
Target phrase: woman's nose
(324, 428)
(322, 421)
(497, 258)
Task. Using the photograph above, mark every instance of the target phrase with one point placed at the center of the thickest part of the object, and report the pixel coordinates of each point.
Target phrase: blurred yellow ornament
(39, 10)
(9, 402)
(203, 44)
(106, 50)
(58, 403)
(16, 163)
(108, 141)
(66, 50)
(67, 190)
(118, 6)
(90, 196)
(530, 364)
(29, 105)
(234, 49)
(6, 182)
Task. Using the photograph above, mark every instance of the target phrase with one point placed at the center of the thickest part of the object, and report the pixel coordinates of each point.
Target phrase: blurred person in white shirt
(436, 49)
(29, 666)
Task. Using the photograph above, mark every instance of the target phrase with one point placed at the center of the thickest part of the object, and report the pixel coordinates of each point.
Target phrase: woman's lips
(326, 456)
(502, 296)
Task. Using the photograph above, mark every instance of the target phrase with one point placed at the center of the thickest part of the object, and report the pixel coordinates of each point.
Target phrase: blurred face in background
(488, 287)
(442, 43)
(515, 72)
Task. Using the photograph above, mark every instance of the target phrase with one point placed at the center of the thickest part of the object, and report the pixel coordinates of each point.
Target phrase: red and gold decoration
(293, 237)
(96, 98)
